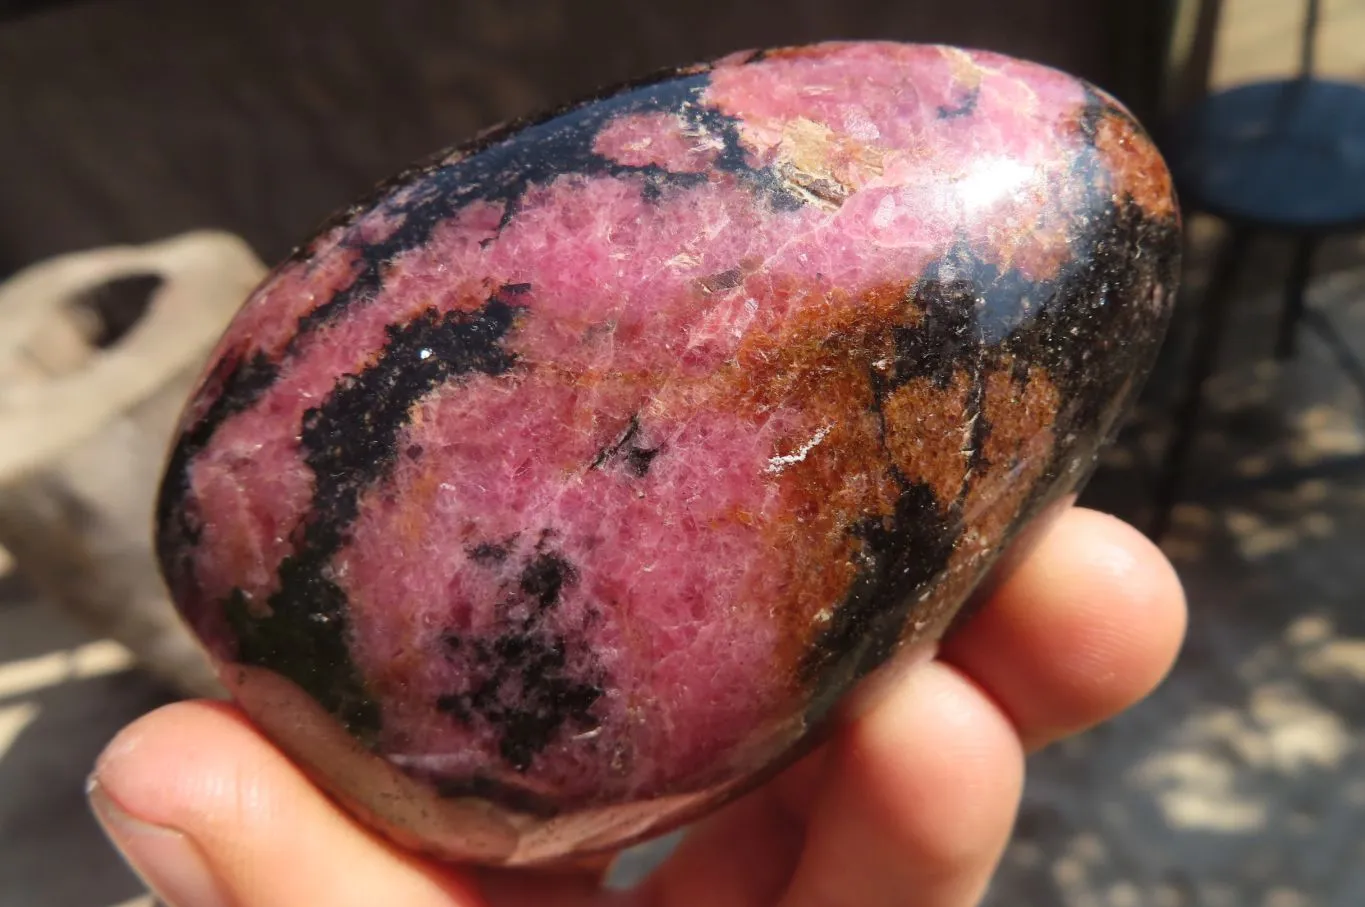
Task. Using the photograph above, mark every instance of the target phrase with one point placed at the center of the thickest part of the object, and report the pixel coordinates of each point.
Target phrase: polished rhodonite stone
(557, 492)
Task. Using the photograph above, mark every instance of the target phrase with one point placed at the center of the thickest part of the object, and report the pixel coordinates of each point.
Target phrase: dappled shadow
(1241, 781)
(1244, 775)
(62, 697)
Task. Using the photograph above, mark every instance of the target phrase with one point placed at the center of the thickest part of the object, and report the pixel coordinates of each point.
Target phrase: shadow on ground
(1241, 781)
(62, 697)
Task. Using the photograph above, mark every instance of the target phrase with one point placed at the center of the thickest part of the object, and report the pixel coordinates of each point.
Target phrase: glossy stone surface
(556, 493)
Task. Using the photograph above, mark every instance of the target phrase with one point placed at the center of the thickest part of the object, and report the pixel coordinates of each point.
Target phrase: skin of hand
(911, 802)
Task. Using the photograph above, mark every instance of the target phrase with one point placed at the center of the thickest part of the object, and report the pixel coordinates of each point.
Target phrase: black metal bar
(1203, 358)
(1328, 467)
(1300, 270)
(1309, 39)
(1347, 360)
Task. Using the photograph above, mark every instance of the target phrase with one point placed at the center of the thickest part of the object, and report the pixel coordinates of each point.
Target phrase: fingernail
(169, 862)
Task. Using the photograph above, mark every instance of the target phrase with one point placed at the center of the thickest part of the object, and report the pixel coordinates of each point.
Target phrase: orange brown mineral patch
(1017, 449)
(1138, 169)
(928, 433)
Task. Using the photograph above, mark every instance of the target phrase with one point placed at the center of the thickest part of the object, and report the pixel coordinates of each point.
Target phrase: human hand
(910, 802)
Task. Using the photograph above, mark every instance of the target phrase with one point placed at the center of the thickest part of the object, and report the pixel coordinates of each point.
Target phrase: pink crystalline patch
(905, 97)
(252, 482)
(662, 574)
(661, 139)
(926, 167)
(269, 320)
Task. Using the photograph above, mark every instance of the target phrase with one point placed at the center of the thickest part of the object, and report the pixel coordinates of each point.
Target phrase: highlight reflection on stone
(554, 494)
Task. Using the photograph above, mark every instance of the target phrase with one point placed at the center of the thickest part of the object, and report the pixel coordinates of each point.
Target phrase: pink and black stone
(559, 491)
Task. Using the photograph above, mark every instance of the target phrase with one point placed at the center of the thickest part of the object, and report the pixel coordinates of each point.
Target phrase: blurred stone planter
(90, 387)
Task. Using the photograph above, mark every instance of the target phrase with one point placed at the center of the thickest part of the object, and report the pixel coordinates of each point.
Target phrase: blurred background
(154, 153)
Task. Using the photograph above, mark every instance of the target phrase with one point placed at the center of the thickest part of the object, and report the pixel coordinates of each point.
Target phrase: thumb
(211, 815)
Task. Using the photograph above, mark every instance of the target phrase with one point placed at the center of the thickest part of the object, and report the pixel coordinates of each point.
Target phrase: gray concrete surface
(62, 696)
